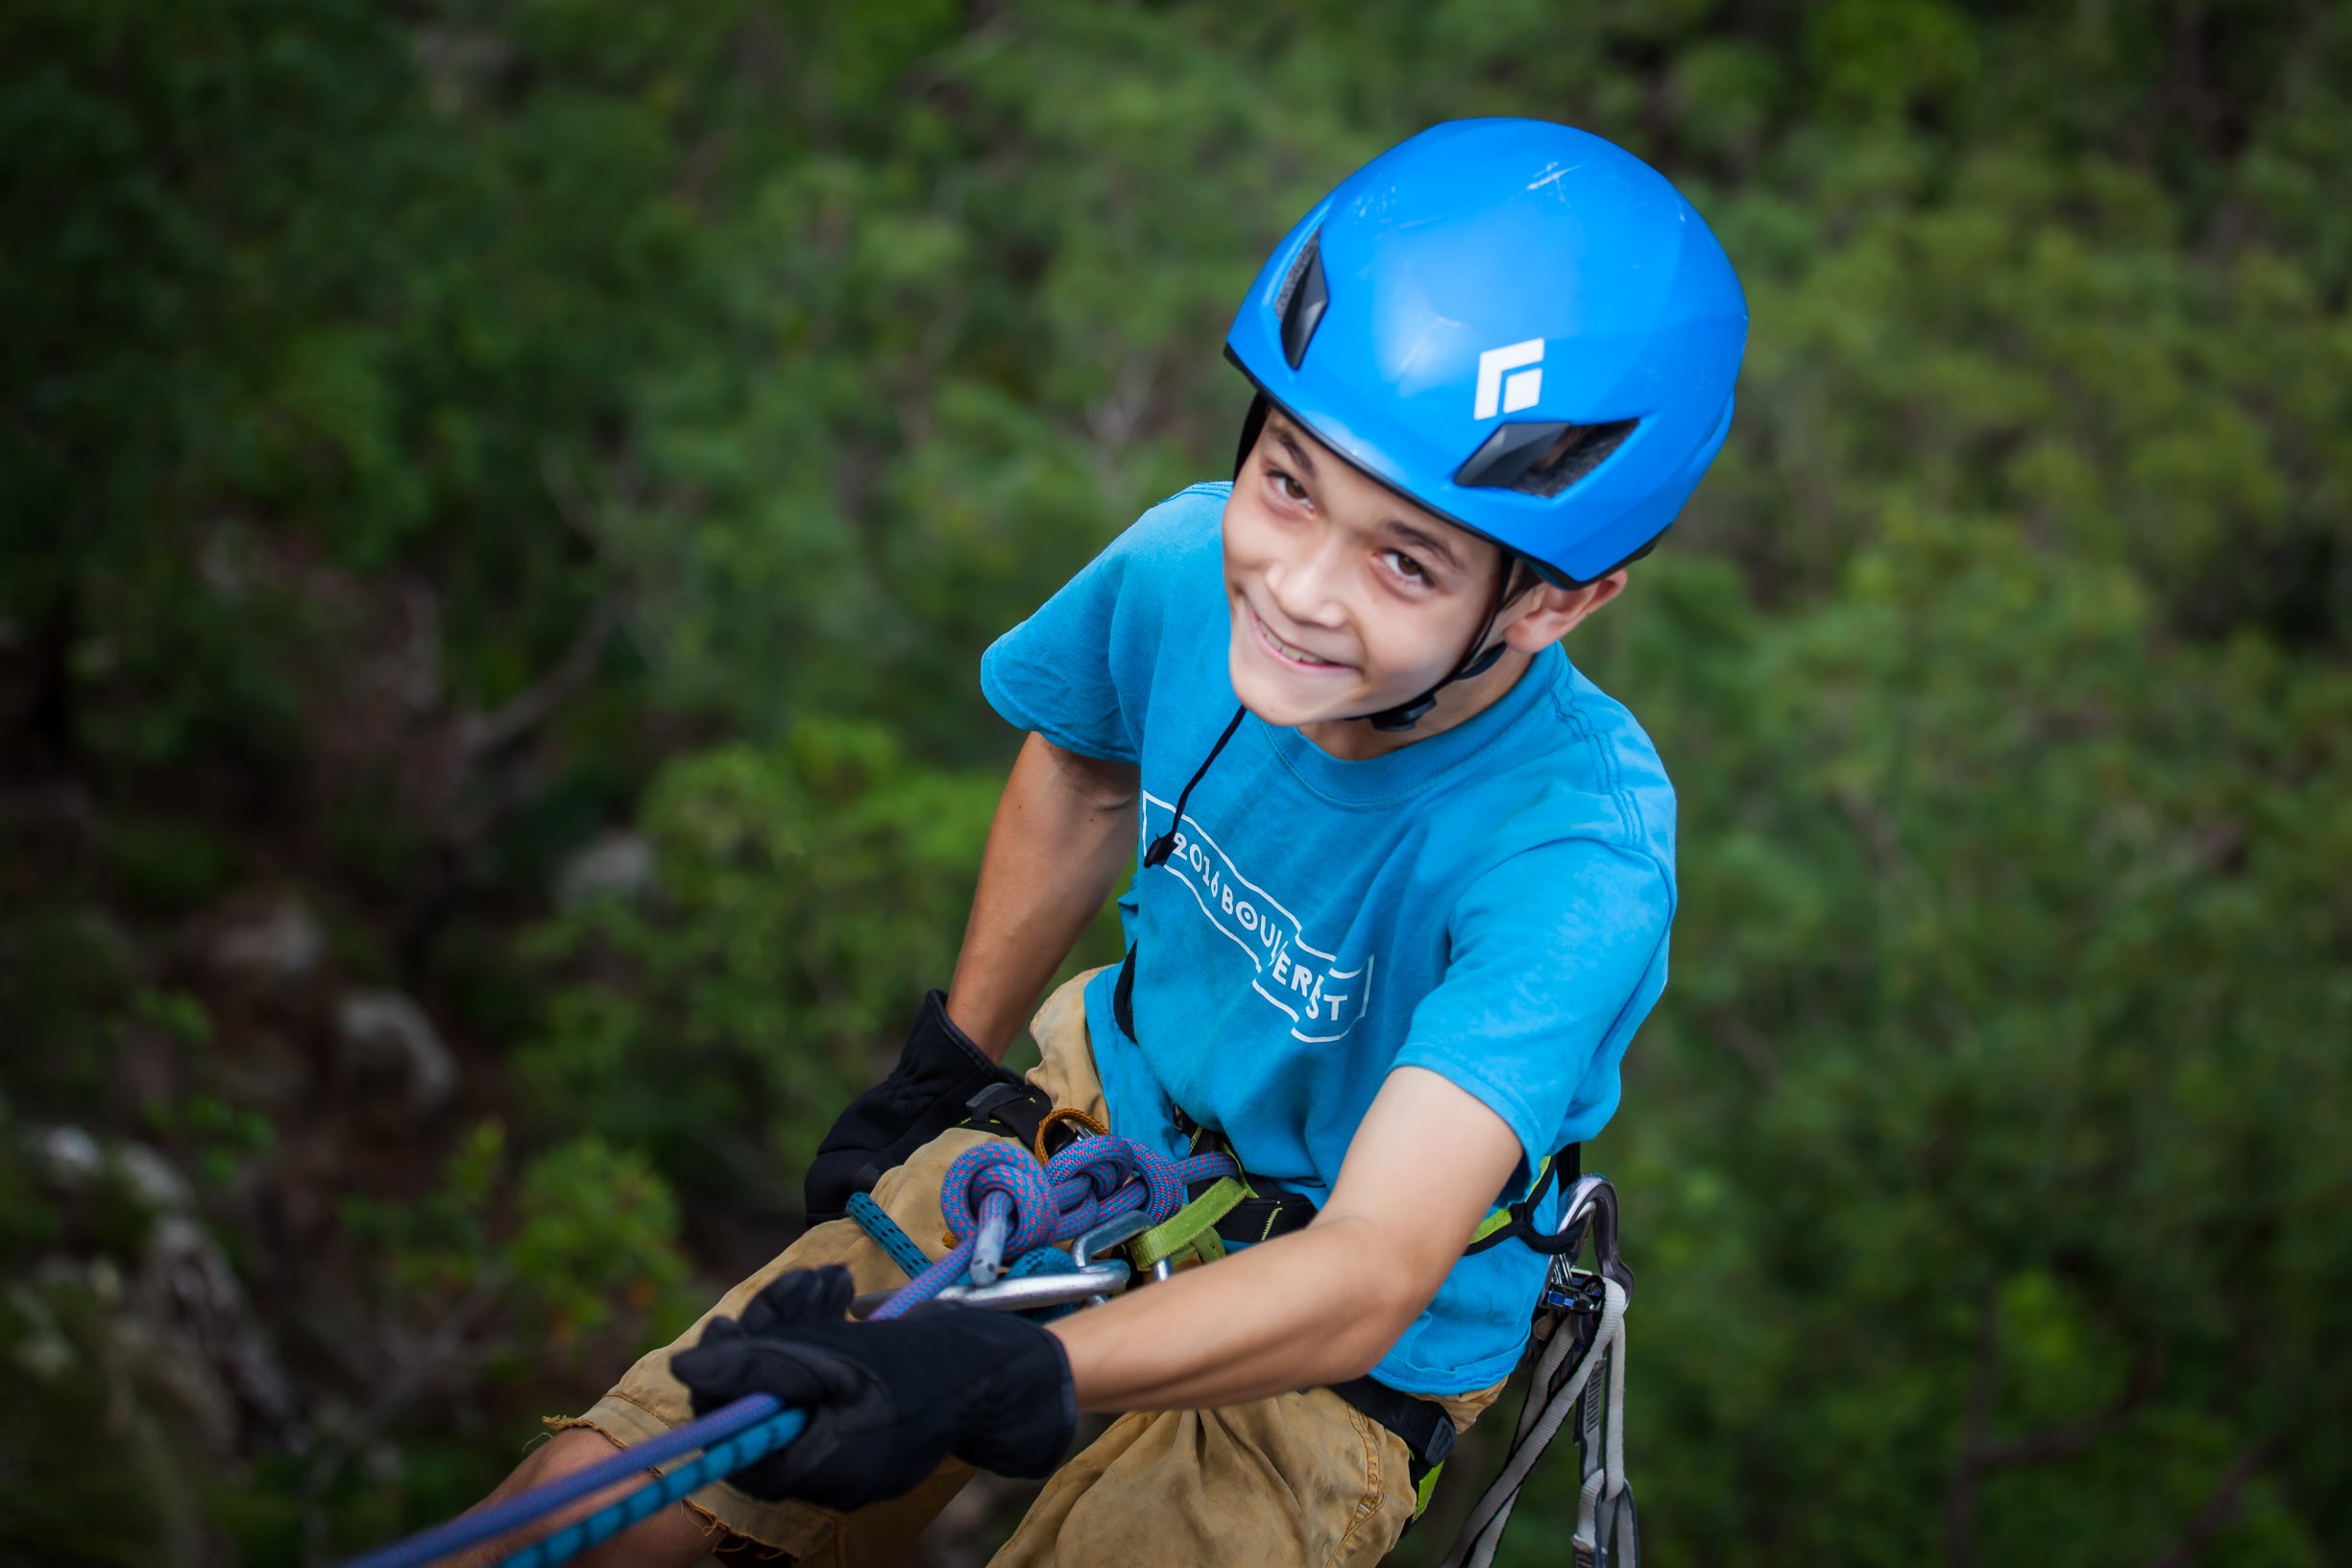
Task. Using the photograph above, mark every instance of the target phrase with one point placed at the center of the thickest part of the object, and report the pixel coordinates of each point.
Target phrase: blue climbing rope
(759, 1412)
(720, 1462)
(996, 1187)
(885, 1234)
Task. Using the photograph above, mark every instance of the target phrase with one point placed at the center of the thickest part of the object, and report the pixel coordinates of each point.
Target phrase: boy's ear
(1551, 613)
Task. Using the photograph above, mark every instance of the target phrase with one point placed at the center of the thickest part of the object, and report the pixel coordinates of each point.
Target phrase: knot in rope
(999, 1173)
(1105, 1178)
(1094, 1179)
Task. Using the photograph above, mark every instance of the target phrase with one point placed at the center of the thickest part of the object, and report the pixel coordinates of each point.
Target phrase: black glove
(937, 1072)
(886, 1402)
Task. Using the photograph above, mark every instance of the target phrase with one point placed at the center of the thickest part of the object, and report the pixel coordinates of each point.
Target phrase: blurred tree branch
(1980, 1455)
(2221, 1509)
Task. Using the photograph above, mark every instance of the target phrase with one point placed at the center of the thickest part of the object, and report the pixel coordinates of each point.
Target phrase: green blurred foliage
(436, 439)
(806, 893)
(589, 1228)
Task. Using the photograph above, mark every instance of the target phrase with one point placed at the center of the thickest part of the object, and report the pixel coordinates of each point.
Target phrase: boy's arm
(1324, 1304)
(1064, 829)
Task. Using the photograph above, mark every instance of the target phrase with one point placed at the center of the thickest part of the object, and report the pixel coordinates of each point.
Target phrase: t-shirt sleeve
(1080, 670)
(1557, 955)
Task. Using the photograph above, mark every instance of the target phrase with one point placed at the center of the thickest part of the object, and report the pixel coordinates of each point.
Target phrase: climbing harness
(1098, 1193)
(1570, 1313)
(1571, 1325)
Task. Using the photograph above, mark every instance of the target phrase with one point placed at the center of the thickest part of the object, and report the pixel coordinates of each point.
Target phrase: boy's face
(1346, 598)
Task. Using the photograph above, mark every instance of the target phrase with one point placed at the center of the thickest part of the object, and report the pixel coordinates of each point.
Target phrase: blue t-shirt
(1491, 903)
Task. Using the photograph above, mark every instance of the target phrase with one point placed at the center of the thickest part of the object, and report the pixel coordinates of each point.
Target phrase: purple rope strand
(483, 1524)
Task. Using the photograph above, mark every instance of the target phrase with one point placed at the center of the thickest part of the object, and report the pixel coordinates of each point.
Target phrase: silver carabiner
(989, 1248)
(1097, 1281)
(1031, 1292)
(1110, 1233)
(1592, 1201)
(1107, 1235)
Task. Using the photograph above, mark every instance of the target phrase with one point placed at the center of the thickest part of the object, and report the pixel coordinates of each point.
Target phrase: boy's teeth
(1293, 650)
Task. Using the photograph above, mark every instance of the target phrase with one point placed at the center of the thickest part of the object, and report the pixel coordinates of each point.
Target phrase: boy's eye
(1290, 489)
(1405, 566)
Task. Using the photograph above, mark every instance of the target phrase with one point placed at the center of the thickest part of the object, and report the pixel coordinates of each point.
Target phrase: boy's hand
(937, 1072)
(886, 1402)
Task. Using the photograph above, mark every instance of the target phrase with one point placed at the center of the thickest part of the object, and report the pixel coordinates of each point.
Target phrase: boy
(1402, 894)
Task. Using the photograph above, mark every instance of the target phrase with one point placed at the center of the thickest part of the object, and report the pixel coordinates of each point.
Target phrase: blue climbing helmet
(1520, 326)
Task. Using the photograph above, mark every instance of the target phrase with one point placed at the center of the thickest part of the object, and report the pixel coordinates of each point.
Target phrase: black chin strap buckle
(1404, 715)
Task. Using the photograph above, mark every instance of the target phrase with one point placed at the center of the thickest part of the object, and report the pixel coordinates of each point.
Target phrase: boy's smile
(1347, 599)
(1290, 655)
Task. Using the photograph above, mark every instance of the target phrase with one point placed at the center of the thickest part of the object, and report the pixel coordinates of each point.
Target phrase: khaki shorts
(1299, 1478)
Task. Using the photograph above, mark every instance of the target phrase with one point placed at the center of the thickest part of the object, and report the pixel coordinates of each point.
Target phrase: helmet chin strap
(1477, 660)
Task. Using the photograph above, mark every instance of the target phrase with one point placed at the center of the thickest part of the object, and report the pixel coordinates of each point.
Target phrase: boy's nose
(1306, 588)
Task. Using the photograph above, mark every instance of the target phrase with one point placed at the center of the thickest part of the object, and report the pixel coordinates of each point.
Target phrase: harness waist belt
(1427, 1430)
(1273, 1211)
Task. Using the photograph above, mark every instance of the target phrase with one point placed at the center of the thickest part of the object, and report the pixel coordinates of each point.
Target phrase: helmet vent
(1543, 459)
(1303, 299)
